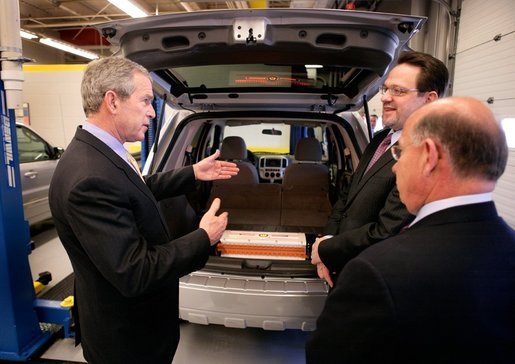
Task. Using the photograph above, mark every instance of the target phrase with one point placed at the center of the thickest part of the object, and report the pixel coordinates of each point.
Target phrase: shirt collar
(446, 203)
(107, 139)
(395, 136)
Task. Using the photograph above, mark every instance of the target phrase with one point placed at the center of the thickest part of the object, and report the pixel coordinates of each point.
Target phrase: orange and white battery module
(262, 244)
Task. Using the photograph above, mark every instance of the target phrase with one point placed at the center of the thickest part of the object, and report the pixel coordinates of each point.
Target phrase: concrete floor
(199, 344)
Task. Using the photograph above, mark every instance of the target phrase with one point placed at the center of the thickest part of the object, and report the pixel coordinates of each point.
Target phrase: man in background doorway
(373, 122)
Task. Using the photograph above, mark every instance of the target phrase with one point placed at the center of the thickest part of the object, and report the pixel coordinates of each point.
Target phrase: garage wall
(485, 69)
(55, 105)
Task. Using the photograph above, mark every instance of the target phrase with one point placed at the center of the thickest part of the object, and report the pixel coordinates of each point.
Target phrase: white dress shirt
(446, 203)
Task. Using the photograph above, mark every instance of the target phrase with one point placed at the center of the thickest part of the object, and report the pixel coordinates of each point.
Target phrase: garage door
(485, 69)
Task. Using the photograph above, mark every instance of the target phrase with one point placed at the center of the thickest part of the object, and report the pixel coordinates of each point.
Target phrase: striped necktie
(134, 164)
(379, 151)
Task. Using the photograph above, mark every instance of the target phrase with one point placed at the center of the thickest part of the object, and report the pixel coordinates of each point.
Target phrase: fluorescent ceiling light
(313, 66)
(68, 48)
(27, 35)
(129, 7)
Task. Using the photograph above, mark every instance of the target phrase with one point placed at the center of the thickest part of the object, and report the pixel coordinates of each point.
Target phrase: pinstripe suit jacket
(369, 211)
(125, 262)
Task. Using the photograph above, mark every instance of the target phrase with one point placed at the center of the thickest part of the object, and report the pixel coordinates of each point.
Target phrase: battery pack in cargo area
(262, 244)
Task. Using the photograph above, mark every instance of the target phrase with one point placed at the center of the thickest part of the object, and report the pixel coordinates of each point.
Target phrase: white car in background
(272, 78)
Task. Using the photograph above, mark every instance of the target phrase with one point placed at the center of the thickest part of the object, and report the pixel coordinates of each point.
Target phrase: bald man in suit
(442, 291)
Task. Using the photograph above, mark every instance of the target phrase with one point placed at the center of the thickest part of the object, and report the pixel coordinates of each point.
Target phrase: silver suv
(38, 160)
(277, 91)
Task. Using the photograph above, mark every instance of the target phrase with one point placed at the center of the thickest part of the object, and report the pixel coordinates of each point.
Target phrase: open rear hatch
(307, 58)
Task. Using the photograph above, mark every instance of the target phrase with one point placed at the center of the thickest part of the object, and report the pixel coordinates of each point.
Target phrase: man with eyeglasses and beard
(369, 209)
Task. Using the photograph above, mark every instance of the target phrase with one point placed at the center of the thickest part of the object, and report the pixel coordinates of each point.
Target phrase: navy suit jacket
(369, 210)
(125, 262)
(441, 292)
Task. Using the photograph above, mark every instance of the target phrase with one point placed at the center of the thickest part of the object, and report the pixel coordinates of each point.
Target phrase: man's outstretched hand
(212, 224)
(210, 169)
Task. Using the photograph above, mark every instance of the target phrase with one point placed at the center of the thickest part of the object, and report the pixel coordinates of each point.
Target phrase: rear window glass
(257, 139)
(277, 138)
(262, 75)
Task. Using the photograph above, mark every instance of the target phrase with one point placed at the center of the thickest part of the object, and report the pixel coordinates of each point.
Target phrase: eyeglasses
(397, 90)
(396, 152)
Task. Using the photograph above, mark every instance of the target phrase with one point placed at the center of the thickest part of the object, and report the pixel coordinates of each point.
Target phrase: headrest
(308, 149)
(233, 148)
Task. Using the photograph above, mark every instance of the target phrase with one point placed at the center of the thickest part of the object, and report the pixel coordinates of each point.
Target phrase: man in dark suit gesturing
(442, 291)
(369, 210)
(126, 265)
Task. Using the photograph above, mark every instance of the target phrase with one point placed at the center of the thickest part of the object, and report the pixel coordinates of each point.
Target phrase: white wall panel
(504, 194)
(486, 69)
(481, 20)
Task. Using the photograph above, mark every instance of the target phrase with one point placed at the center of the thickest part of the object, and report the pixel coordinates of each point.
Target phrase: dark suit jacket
(441, 292)
(126, 266)
(369, 210)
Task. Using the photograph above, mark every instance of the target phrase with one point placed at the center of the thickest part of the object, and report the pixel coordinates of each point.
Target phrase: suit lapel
(107, 152)
(385, 160)
(122, 168)
(369, 153)
(360, 178)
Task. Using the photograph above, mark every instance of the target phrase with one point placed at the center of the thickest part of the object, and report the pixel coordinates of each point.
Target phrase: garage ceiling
(71, 20)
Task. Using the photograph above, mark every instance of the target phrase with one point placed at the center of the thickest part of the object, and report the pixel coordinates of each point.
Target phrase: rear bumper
(270, 303)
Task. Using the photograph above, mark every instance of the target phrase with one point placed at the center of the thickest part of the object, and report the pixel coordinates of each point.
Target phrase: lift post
(20, 332)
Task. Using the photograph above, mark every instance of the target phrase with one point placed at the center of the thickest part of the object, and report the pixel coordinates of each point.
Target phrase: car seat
(234, 149)
(247, 201)
(305, 187)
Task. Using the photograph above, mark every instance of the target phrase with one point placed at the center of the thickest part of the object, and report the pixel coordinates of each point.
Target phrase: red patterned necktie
(379, 151)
